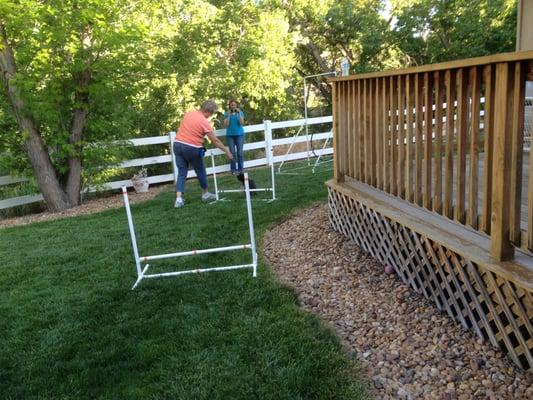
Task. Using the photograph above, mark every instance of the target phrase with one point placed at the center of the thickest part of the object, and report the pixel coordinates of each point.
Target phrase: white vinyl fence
(276, 151)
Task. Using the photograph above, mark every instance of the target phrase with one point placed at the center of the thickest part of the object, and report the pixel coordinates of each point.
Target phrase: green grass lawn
(72, 328)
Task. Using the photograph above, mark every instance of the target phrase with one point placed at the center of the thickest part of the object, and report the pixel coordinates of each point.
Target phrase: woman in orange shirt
(188, 149)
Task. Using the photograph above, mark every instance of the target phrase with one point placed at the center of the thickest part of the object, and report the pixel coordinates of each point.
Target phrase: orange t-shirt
(193, 127)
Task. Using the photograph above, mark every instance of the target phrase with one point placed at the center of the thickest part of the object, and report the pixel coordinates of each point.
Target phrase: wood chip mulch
(408, 349)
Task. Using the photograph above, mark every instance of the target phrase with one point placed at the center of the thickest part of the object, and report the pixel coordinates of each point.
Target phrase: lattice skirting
(494, 308)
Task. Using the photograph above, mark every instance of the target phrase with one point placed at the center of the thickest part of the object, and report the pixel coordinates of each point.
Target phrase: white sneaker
(208, 197)
(179, 202)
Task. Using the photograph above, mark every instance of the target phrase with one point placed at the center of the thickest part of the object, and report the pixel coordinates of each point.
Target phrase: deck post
(338, 175)
(500, 246)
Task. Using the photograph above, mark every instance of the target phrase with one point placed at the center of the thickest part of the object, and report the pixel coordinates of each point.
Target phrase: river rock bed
(408, 349)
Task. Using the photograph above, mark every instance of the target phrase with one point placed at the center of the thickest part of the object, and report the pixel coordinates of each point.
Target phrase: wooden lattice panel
(494, 308)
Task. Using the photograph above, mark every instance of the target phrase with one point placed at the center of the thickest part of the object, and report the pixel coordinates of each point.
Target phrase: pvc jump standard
(306, 127)
(270, 189)
(140, 260)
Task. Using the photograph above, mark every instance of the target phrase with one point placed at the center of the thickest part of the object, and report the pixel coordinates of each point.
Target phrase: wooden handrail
(447, 137)
(468, 62)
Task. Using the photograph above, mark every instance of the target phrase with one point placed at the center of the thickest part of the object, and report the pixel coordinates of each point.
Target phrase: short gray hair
(209, 106)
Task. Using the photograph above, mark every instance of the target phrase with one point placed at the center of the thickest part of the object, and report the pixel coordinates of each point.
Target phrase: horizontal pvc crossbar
(242, 190)
(196, 252)
(141, 272)
(198, 271)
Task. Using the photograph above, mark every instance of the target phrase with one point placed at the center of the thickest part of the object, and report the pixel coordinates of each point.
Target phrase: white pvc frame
(269, 154)
(306, 126)
(267, 189)
(139, 260)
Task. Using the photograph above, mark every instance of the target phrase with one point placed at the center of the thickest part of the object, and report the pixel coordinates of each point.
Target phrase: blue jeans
(186, 155)
(236, 144)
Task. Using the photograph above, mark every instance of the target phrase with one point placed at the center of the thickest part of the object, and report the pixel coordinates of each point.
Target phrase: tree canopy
(79, 72)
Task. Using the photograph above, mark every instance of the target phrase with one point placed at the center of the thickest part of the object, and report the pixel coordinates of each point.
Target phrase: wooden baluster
(357, 131)
(341, 116)
(449, 79)
(378, 134)
(428, 139)
(439, 104)
(529, 238)
(386, 133)
(409, 91)
(366, 155)
(371, 133)
(393, 136)
(349, 130)
(337, 174)
(462, 126)
(517, 132)
(418, 139)
(400, 167)
(473, 189)
(360, 107)
(488, 139)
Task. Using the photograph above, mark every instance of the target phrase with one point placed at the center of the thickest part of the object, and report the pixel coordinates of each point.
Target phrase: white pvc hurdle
(139, 260)
(268, 189)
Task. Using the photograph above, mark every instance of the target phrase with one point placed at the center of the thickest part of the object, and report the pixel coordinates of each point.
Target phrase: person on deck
(188, 149)
(234, 121)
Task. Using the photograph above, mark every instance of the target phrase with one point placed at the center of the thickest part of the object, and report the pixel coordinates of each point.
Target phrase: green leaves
(429, 31)
(144, 64)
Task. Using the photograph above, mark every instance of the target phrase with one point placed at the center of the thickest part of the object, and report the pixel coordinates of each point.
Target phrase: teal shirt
(234, 126)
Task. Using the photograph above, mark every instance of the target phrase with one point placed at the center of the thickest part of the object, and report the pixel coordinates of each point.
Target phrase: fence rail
(267, 127)
(448, 137)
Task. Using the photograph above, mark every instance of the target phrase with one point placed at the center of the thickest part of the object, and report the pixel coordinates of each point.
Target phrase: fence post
(500, 244)
(171, 136)
(269, 153)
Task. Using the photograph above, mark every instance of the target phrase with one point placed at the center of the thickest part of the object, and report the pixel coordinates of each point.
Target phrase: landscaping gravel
(409, 350)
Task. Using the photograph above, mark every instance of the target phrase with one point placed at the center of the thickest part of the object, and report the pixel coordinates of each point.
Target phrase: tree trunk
(77, 127)
(43, 169)
(79, 118)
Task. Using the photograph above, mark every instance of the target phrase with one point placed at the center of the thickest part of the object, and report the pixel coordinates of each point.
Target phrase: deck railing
(447, 137)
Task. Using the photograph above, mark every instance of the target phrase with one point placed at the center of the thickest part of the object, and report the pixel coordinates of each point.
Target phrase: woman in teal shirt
(233, 121)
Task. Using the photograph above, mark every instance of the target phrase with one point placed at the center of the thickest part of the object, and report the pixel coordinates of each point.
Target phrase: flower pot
(140, 185)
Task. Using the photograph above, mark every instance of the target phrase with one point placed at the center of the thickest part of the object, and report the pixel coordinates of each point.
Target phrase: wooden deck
(430, 176)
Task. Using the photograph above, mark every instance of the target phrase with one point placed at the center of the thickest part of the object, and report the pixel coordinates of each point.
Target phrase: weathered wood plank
(366, 133)
(357, 130)
(337, 175)
(488, 135)
(462, 126)
(378, 134)
(393, 134)
(417, 192)
(409, 90)
(517, 123)
(439, 104)
(371, 132)
(349, 130)
(428, 139)
(400, 167)
(473, 187)
(385, 132)
(449, 79)
(501, 247)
